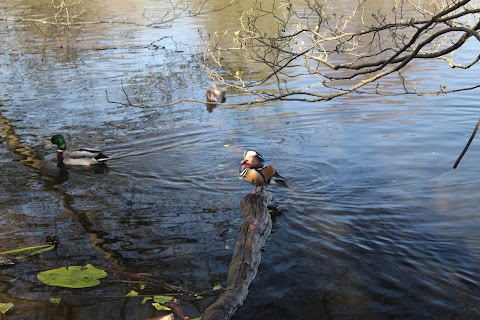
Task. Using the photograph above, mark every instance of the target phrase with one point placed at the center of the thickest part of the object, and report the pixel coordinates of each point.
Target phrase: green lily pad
(132, 293)
(73, 276)
(146, 299)
(217, 287)
(28, 251)
(162, 299)
(55, 300)
(5, 307)
(160, 307)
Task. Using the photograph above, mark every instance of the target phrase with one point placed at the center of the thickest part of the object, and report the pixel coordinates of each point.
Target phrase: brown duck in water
(214, 94)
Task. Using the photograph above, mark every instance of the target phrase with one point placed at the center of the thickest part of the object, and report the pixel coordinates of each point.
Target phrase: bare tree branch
(337, 55)
(467, 145)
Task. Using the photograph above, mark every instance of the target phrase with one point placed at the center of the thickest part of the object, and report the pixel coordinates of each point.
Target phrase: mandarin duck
(214, 94)
(80, 157)
(254, 171)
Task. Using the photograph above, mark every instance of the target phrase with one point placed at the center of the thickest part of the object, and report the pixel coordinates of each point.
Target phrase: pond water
(376, 225)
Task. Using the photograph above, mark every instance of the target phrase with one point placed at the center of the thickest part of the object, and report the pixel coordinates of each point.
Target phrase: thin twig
(148, 279)
(467, 145)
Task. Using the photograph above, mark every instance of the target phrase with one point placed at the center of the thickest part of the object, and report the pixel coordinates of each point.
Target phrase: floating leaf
(146, 299)
(226, 145)
(227, 247)
(162, 299)
(5, 307)
(28, 251)
(198, 297)
(55, 300)
(160, 307)
(73, 276)
(217, 287)
(132, 293)
(142, 286)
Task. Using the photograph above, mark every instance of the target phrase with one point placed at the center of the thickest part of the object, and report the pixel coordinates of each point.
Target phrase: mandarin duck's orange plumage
(254, 171)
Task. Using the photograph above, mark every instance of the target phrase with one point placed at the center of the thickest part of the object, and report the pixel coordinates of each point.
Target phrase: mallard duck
(252, 159)
(80, 157)
(214, 94)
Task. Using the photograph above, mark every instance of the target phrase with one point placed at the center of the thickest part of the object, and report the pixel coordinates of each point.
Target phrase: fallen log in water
(254, 230)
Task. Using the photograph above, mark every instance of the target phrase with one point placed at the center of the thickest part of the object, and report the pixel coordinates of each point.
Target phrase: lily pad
(162, 299)
(160, 307)
(73, 276)
(146, 299)
(55, 300)
(28, 251)
(217, 287)
(132, 293)
(5, 307)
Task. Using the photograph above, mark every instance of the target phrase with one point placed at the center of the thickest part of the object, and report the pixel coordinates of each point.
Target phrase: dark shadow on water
(63, 173)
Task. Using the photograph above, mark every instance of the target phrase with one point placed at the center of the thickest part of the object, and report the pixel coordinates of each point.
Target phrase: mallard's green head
(59, 140)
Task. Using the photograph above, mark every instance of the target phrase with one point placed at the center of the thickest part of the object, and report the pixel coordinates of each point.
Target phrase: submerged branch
(148, 279)
(254, 231)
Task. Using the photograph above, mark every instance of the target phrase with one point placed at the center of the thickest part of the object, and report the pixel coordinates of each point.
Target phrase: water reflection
(14, 142)
(63, 172)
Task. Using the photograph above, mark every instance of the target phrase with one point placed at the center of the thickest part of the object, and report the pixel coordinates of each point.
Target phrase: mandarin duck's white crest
(254, 171)
(252, 159)
(80, 157)
(214, 94)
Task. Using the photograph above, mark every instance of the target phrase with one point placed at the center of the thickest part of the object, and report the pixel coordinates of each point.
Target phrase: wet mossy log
(254, 230)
